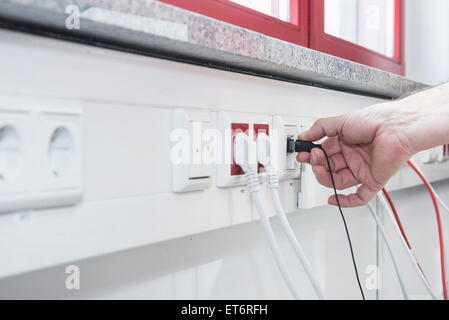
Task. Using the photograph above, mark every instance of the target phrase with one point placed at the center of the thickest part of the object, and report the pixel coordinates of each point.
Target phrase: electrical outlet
(16, 139)
(261, 128)
(283, 128)
(440, 153)
(228, 123)
(60, 178)
(236, 128)
(41, 153)
(434, 155)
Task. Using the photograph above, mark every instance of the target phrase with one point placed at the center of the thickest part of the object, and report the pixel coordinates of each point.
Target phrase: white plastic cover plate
(191, 153)
(41, 153)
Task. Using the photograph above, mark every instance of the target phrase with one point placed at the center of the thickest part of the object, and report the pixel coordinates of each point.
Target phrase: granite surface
(157, 28)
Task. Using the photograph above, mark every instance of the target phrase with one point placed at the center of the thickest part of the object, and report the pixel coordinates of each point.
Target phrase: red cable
(440, 229)
(390, 201)
(398, 221)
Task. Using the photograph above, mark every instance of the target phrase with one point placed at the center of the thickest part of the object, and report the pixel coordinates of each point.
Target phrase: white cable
(387, 243)
(245, 157)
(275, 248)
(439, 199)
(295, 244)
(263, 150)
(404, 244)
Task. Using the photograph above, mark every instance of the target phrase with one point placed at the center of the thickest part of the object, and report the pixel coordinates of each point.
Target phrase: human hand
(365, 148)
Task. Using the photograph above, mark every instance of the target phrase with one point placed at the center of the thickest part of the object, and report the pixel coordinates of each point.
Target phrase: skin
(368, 147)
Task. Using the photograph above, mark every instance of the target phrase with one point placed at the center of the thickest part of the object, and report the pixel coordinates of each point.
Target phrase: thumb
(324, 127)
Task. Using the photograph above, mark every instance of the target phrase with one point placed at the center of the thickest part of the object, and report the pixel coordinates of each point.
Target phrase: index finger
(324, 127)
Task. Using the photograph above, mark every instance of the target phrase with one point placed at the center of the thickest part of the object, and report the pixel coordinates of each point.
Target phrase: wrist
(421, 124)
(402, 121)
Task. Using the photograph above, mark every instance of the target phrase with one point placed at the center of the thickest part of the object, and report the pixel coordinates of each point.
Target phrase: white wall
(133, 238)
(427, 40)
(235, 262)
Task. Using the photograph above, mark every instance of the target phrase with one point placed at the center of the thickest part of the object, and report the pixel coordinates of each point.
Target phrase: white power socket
(41, 153)
(60, 179)
(434, 155)
(228, 123)
(16, 141)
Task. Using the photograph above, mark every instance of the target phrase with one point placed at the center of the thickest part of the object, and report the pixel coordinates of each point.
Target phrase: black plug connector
(300, 145)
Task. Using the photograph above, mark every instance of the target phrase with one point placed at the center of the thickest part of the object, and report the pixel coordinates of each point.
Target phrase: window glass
(368, 23)
(279, 9)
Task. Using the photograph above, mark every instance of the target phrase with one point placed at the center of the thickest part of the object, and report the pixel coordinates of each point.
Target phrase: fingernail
(302, 136)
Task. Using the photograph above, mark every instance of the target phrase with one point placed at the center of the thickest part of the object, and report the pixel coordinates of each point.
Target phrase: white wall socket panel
(41, 153)
(17, 138)
(284, 127)
(193, 152)
(428, 162)
(312, 194)
(432, 155)
(60, 178)
(228, 174)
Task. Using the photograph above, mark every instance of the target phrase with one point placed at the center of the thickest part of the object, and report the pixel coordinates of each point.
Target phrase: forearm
(423, 119)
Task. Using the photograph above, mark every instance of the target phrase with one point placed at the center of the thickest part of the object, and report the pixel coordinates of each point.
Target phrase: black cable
(306, 146)
(344, 222)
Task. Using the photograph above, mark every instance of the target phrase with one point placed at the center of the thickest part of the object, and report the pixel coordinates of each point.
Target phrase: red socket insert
(236, 128)
(261, 128)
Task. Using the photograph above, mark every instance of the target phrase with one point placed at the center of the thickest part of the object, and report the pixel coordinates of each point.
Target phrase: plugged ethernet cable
(404, 244)
(245, 156)
(390, 251)
(264, 158)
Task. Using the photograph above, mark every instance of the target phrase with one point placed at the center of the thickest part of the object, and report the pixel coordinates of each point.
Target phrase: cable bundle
(273, 184)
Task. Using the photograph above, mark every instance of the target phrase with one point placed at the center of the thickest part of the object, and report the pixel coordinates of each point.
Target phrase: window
(364, 31)
(369, 24)
(279, 9)
(283, 19)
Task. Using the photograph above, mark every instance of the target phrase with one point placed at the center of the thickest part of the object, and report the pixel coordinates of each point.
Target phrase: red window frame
(295, 32)
(321, 41)
(306, 29)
